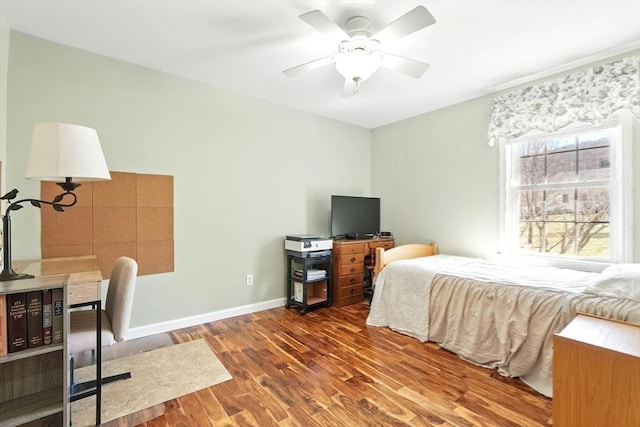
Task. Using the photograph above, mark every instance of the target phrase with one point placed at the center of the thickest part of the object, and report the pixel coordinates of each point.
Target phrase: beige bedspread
(508, 327)
(505, 320)
(404, 304)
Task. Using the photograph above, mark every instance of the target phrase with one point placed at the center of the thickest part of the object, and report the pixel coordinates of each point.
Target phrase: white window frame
(621, 198)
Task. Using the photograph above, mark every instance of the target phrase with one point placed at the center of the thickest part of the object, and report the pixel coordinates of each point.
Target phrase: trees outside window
(558, 194)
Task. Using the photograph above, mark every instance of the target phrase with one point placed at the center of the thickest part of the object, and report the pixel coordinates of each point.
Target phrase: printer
(309, 244)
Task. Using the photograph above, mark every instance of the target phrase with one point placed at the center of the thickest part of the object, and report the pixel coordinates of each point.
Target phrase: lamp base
(8, 274)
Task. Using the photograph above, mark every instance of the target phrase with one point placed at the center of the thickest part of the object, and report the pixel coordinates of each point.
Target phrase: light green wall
(4, 60)
(246, 172)
(438, 179)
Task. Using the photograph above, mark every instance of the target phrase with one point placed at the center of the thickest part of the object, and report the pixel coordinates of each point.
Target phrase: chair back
(120, 296)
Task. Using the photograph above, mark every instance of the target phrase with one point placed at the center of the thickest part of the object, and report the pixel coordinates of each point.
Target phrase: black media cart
(307, 286)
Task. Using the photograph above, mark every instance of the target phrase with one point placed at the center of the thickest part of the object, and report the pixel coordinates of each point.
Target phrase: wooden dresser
(353, 260)
(596, 373)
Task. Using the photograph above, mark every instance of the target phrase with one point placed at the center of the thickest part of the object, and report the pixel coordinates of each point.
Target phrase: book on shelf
(3, 325)
(17, 321)
(34, 319)
(47, 317)
(57, 323)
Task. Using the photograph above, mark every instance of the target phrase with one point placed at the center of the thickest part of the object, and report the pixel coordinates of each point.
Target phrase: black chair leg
(88, 385)
(80, 390)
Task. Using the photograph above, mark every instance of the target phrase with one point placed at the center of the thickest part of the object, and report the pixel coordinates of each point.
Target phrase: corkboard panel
(131, 215)
(155, 257)
(120, 191)
(155, 191)
(114, 224)
(108, 253)
(154, 224)
(65, 251)
(72, 227)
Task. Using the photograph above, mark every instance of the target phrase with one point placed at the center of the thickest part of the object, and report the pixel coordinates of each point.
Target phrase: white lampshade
(61, 150)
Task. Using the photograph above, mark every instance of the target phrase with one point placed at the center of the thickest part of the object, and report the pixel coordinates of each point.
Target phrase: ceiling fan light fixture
(358, 64)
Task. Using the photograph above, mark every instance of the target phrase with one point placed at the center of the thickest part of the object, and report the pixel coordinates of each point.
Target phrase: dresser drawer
(350, 280)
(345, 270)
(351, 291)
(387, 244)
(352, 249)
(351, 259)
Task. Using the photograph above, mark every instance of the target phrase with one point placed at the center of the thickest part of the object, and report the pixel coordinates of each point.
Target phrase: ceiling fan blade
(294, 71)
(404, 65)
(414, 20)
(326, 26)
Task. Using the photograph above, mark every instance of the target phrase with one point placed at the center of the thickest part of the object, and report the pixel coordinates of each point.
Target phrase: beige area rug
(156, 377)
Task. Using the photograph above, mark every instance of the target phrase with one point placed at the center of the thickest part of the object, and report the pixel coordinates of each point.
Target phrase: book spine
(47, 317)
(34, 319)
(4, 341)
(56, 325)
(17, 321)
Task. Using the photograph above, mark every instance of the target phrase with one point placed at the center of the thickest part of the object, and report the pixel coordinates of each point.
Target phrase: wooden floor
(327, 368)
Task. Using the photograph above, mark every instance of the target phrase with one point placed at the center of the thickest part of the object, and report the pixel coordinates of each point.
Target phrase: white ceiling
(474, 48)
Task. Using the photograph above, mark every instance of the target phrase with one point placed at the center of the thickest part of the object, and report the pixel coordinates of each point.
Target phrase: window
(567, 195)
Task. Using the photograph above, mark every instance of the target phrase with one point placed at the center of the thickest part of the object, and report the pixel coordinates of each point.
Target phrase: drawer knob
(352, 270)
(352, 280)
(353, 259)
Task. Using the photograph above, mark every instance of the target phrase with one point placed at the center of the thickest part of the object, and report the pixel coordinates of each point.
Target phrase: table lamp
(66, 154)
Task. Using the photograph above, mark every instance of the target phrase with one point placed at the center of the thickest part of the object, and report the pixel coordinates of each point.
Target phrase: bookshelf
(33, 385)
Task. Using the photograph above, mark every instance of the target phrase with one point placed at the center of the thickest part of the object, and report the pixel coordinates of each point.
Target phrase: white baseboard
(171, 325)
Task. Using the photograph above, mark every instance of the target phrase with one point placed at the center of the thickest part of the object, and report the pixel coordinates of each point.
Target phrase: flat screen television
(354, 217)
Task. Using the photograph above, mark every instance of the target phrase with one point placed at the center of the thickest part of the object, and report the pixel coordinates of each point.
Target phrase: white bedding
(494, 315)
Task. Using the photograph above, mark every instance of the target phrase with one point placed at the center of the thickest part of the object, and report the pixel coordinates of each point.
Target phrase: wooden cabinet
(596, 373)
(353, 262)
(33, 385)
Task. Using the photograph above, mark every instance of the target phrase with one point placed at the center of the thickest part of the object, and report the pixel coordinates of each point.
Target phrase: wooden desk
(82, 281)
(596, 373)
(84, 274)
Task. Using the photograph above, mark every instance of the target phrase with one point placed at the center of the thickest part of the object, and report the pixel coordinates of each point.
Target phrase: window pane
(561, 167)
(561, 144)
(560, 205)
(593, 164)
(526, 149)
(593, 204)
(531, 205)
(593, 240)
(563, 185)
(531, 170)
(559, 237)
(594, 139)
(531, 236)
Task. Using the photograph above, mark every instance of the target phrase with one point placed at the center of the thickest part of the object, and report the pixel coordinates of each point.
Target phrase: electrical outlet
(249, 279)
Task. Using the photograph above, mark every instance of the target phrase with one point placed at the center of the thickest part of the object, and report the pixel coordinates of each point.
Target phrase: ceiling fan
(359, 54)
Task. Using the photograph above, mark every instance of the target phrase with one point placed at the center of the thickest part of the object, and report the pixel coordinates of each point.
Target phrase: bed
(500, 316)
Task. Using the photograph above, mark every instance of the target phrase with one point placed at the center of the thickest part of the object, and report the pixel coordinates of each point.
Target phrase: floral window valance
(589, 96)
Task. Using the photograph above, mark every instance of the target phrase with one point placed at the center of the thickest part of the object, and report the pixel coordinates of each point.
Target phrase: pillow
(617, 281)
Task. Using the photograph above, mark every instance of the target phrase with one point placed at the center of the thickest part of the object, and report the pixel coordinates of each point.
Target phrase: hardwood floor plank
(328, 368)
